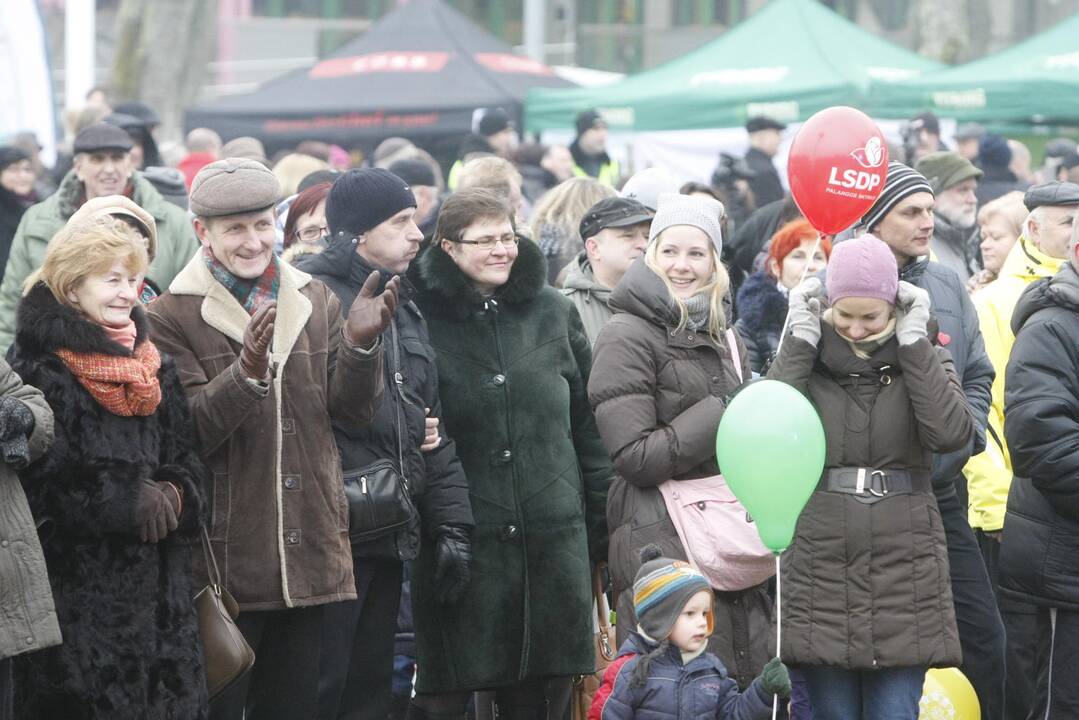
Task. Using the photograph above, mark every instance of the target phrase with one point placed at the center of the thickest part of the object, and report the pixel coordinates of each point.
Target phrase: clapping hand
(371, 314)
(255, 356)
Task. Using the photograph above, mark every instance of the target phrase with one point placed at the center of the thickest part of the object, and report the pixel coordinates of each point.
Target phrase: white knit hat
(700, 212)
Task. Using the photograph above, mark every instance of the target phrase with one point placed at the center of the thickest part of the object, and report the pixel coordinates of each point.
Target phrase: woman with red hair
(305, 226)
(762, 299)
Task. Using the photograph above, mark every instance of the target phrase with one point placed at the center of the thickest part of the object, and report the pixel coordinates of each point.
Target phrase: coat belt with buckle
(870, 485)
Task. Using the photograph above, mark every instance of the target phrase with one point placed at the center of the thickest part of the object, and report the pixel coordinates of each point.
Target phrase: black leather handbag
(379, 499)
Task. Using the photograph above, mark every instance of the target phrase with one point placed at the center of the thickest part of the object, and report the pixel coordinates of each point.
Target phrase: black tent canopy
(419, 72)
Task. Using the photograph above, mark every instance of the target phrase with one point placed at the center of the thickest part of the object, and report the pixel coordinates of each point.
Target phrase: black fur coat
(131, 646)
(762, 309)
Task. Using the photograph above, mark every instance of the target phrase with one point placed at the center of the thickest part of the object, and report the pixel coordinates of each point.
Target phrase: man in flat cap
(268, 361)
(103, 166)
(967, 137)
(1038, 559)
(589, 150)
(615, 233)
(765, 136)
(955, 234)
(1038, 253)
(903, 218)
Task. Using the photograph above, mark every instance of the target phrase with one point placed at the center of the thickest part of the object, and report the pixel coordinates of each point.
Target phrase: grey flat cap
(969, 131)
(233, 186)
(102, 136)
(1053, 193)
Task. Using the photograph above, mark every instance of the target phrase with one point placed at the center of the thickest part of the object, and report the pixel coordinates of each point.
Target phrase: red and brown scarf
(124, 386)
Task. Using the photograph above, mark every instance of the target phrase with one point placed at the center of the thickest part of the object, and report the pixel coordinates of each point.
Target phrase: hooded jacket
(954, 248)
(866, 586)
(659, 393)
(588, 296)
(512, 373)
(176, 241)
(989, 473)
(1039, 553)
(278, 520)
(124, 606)
(436, 478)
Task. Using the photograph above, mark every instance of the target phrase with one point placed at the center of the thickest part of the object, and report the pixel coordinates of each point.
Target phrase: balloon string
(805, 271)
(779, 628)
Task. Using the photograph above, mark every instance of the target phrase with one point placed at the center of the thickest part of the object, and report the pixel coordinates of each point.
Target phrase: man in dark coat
(1039, 554)
(589, 150)
(903, 218)
(372, 216)
(765, 135)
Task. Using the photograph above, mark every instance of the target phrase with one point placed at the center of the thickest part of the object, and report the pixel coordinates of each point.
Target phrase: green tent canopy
(1034, 82)
(787, 61)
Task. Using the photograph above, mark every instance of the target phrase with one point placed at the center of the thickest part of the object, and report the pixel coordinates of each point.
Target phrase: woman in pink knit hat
(867, 599)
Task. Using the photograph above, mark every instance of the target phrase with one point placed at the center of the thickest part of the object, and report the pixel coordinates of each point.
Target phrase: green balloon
(770, 446)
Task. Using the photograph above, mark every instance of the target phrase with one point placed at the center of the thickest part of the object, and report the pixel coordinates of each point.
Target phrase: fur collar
(69, 196)
(43, 325)
(221, 311)
(441, 287)
(761, 306)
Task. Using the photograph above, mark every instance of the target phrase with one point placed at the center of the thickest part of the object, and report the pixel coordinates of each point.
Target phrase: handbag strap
(398, 381)
(736, 357)
(211, 561)
(603, 610)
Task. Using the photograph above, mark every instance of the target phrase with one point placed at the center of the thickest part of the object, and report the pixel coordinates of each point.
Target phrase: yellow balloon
(948, 695)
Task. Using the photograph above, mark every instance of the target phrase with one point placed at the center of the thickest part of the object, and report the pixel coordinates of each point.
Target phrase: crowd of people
(390, 402)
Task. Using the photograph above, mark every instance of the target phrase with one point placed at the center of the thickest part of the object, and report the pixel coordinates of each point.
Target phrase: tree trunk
(943, 32)
(162, 48)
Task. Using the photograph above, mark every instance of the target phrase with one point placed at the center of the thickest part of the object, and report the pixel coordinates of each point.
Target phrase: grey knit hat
(699, 212)
(901, 182)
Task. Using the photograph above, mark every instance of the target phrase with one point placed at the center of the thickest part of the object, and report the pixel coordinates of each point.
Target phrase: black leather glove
(155, 517)
(453, 562)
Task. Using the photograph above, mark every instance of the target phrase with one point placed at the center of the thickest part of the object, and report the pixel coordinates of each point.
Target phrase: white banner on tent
(26, 102)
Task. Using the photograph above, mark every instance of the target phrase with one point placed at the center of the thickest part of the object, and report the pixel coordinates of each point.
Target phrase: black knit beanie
(9, 155)
(362, 199)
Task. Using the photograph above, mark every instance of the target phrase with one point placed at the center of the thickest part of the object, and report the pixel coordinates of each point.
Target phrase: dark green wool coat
(513, 372)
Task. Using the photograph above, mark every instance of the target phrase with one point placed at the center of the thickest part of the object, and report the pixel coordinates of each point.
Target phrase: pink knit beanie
(863, 267)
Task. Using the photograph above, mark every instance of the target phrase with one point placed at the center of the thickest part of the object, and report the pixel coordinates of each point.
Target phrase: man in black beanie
(589, 150)
(420, 176)
(371, 214)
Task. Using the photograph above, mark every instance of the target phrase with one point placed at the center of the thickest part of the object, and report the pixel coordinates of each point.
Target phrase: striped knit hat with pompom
(662, 588)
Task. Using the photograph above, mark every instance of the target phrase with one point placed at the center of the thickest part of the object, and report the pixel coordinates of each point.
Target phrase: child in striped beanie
(664, 667)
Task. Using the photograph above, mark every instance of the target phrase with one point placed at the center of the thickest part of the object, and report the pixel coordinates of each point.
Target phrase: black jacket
(1039, 555)
(962, 336)
(762, 309)
(12, 208)
(765, 182)
(436, 478)
(131, 645)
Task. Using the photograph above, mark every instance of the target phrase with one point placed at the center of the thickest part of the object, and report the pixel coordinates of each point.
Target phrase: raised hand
(370, 315)
(255, 356)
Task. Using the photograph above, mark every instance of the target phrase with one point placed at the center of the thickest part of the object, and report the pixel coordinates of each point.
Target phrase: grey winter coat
(27, 615)
(659, 394)
(866, 586)
(588, 296)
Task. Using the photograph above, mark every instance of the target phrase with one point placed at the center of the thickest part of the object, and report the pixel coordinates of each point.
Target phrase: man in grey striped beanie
(903, 218)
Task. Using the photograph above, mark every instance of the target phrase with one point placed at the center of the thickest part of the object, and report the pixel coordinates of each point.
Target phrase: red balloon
(837, 165)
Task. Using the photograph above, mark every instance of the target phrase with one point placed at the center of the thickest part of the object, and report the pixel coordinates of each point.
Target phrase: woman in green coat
(513, 362)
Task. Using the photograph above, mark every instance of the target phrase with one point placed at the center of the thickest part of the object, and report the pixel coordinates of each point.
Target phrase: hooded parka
(659, 394)
(130, 633)
(176, 240)
(866, 585)
(512, 371)
(587, 295)
(278, 520)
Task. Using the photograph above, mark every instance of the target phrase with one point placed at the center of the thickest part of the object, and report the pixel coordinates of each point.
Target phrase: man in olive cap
(269, 360)
(955, 235)
(102, 166)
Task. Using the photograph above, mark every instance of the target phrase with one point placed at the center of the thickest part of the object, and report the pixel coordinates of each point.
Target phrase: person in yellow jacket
(1038, 253)
(589, 150)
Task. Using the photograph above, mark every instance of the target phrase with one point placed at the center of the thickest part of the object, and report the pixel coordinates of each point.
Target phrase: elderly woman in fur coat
(116, 496)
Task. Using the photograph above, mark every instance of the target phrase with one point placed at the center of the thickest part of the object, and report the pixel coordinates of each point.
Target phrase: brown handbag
(225, 651)
(585, 686)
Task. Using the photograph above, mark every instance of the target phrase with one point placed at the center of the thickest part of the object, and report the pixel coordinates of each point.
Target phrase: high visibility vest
(608, 173)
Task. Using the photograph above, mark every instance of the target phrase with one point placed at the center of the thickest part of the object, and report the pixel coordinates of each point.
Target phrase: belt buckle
(883, 483)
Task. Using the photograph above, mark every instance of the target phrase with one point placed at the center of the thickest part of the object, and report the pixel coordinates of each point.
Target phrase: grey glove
(912, 313)
(16, 424)
(805, 310)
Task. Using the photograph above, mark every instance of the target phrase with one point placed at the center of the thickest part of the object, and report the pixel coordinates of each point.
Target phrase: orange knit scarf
(124, 386)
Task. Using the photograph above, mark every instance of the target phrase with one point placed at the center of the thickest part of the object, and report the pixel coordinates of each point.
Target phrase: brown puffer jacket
(866, 586)
(658, 395)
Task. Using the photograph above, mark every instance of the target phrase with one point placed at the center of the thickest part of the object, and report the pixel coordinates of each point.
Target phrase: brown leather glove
(255, 356)
(370, 315)
(155, 517)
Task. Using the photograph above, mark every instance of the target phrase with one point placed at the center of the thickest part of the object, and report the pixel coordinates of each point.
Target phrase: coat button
(5, 543)
(499, 380)
(511, 531)
(29, 641)
(293, 537)
(290, 482)
(288, 426)
(715, 378)
(506, 454)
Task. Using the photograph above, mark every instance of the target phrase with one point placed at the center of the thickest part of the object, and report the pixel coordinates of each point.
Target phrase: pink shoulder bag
(719, 537)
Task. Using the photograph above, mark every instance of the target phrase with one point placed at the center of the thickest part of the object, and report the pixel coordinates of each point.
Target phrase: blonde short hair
(1008, 207)
(95, 248)
(491, 172)
(717, 285)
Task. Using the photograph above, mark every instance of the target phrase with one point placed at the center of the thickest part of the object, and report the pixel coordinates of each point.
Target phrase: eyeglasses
(488, 242)
(311, 233)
